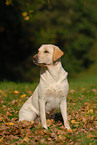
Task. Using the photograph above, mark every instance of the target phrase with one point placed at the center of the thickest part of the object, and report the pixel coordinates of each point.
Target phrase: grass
(82, 114)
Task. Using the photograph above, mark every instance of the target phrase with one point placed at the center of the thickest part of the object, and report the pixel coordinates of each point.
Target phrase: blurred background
(25, 25)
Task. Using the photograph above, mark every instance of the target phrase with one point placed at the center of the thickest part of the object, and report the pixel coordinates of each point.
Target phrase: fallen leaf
(1, 118)
(26, 18)
(1, 139)
(70, 130)
(1, 92)
(14, 102)
(61, 137)
(72, 91)
(54, 135)
(90, 111)
(89, 135)
(23, 96)
(72, 121)
(5, 95)
(95, 91)
(32, 122)
(11, 123)
(83, 89)
(24, 14)
(95, 126)
(16, 92)
(42, 140)
(7, 123)
(26, 139)
(8, 2)
(49, 122)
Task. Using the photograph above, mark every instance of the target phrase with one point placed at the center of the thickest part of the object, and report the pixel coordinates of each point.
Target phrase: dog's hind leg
(28, 111)
(27, 115)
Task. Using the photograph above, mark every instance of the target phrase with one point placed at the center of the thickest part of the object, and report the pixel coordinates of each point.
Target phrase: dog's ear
(57, 53)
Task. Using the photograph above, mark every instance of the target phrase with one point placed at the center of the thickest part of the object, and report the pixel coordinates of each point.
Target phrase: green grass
(82, 114)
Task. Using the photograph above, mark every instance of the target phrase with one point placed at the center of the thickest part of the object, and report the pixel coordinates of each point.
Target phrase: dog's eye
(46, 51)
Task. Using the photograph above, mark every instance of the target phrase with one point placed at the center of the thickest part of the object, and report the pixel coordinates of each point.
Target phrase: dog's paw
(45, 127)
(68, 127)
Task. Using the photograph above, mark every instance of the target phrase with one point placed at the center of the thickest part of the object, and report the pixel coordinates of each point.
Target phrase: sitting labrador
(52, 90)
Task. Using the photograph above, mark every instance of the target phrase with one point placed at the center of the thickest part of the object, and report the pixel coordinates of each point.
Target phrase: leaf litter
(83, 122)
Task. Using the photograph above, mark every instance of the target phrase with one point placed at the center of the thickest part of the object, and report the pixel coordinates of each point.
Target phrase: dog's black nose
(35, 58)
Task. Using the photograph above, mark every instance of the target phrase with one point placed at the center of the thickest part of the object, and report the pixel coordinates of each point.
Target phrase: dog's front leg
(42, 113)
(63, 107)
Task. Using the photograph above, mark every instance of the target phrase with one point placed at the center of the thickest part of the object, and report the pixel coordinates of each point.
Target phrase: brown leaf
(26, 139)
(70, 130)
(1, 92)
(1, 139)
(89, 135)
(24, 14)
(23, 96)
(15, 92)
(14, 102)
(54, 135)
(61, 137)
(8, 2)
(90, 111)
(72, 91)
(50, 122)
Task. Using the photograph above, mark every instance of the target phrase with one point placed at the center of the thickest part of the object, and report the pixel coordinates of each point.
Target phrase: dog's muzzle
(35, 59)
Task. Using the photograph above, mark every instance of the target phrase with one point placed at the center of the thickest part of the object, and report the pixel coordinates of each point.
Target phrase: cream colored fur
(52, 90)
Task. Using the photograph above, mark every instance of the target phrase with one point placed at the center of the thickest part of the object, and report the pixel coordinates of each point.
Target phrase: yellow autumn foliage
(8, 2)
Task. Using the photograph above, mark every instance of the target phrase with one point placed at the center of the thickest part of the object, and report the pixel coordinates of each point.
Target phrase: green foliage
(27, 24)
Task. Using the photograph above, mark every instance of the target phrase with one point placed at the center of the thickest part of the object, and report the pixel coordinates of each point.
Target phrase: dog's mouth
(39, 64)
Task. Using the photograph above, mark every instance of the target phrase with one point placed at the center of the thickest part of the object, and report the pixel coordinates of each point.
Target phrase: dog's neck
(54, 70)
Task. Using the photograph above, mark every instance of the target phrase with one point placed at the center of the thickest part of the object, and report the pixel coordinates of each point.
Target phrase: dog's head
(47, 54)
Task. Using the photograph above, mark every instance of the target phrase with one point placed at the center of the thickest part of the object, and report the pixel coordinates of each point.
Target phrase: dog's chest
(53, 97)
(55, 91)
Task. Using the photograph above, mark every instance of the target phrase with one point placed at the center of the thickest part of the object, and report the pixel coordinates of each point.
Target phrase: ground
(82, 115)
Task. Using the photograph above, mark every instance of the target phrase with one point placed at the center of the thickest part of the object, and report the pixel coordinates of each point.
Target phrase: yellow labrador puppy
(52, 90)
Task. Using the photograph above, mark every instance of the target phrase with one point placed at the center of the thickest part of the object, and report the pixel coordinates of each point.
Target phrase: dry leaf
(32, 122)
(23, 96)
(49, 122)
(11, 123)
(72, 121)
(26, 139)
(89, 135)
(72, 91)
(95, 91)
(90, 111)
(1, 118)
(14, 102)
(70, 130)
(1, 92)
(24, 14)
(61, 137)
(26, 18)
(83, 89)
(1, 139)
(8, 2)
(5, 95)
(16, 92)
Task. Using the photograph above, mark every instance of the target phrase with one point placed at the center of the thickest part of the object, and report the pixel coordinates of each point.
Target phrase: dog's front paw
(69, 129)
(67, 126)
(45, 127)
